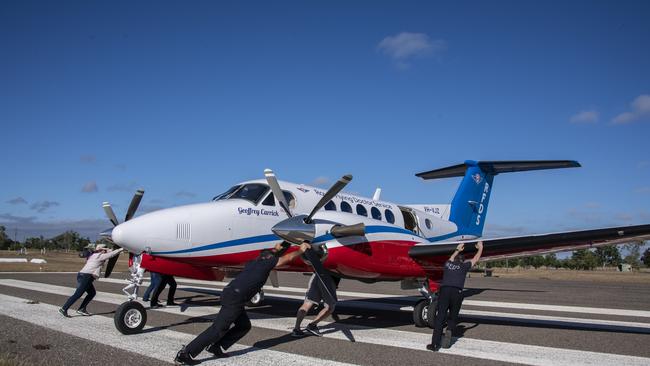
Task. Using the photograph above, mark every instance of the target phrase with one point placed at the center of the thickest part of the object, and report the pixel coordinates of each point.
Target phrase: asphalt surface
(550, 323)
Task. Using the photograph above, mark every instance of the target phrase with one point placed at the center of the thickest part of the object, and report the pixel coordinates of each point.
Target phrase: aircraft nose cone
(118, 235)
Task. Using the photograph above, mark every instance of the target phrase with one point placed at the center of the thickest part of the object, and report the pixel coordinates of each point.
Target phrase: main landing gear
(424, 311)
(256, 300)
(131, 316)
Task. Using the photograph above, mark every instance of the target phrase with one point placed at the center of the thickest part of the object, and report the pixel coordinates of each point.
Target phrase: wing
(521, 246)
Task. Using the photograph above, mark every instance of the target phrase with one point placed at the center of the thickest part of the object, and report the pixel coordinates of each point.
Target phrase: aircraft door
(410, 220)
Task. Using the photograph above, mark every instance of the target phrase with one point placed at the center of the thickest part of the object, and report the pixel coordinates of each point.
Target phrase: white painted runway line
(162, 344)
(480, 303)
(467, 347)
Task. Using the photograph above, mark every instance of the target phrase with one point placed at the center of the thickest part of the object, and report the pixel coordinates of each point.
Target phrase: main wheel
(130, 317)
(257, 299)
(424, 313)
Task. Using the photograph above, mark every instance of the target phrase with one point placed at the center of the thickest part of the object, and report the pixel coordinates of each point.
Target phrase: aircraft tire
(130, 317)
(421, 312)
(257, 300)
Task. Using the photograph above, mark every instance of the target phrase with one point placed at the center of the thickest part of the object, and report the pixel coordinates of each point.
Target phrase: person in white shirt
(89, 273)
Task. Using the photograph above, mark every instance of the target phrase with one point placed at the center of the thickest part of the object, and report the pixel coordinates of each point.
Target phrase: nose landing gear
(131, 316)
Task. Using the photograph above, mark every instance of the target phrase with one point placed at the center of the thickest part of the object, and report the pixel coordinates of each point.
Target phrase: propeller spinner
(297, 229)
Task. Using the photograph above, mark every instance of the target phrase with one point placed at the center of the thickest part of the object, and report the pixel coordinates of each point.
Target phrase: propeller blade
(333, 191)
(274, 279)
(340, 231)
(109, 213)
(277, 191)
(110, 265)
(135, 202)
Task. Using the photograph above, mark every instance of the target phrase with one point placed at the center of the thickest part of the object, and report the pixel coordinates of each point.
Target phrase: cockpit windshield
(226, 194)
(251, 192)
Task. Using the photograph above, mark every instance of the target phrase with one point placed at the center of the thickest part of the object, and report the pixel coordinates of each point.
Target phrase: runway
(504, 321)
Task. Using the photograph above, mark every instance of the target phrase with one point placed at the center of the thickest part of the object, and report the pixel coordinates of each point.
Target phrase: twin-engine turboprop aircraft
(360, 238)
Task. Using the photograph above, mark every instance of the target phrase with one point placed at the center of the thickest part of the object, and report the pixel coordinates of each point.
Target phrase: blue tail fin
(469, 206)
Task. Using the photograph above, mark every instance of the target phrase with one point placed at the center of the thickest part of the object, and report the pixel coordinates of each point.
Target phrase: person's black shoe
(297, 333)
(64, 312)
(171, 303)
(313, 329)
(145, 299)
(216, 350)
(184, 358)
(157, 305)
(433, 348)
(446, 339)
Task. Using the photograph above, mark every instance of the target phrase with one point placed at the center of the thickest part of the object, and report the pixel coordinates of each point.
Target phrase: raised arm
(291, 256)
(112, 254)
(459, 249)
(479, 252)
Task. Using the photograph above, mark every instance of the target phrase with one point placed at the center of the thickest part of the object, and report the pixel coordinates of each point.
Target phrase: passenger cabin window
(226, 194)
(345, 207)
(376, 214)
(330, 206)
(270, 199)
(389, 216)
(361, 210)
(251, 192)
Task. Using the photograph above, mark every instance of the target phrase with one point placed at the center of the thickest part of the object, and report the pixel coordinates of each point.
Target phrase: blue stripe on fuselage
(271, 237)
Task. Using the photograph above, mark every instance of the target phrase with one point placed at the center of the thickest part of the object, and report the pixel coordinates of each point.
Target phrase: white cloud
(43, 206)
(404, 46)
(17, 201)
(320, 181)
(89, 187)
(640, 110)
(590, 116)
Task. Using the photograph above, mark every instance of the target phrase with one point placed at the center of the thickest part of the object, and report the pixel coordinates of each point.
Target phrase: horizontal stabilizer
(496, 167)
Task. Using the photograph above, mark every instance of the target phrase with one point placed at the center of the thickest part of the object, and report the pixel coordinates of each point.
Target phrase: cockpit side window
(270, 199)
(251, 192)
(226, 194)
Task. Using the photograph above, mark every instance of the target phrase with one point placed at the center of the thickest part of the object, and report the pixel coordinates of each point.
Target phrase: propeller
(299, 228)
(133, 207)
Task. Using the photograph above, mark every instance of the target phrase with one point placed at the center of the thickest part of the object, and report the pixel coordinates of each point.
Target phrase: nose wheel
(256, 300)
(130, 317)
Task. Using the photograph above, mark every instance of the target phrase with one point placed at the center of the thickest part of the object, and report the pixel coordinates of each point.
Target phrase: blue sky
(185, 99)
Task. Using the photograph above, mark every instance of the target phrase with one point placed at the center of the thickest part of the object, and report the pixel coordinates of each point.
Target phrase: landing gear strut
(131, 316)
(424, 311)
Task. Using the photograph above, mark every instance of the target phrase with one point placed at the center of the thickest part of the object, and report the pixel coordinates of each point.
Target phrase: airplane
(360, 238)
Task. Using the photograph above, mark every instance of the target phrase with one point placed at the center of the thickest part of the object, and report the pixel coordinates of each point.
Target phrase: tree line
(69, 240)
(588, 259)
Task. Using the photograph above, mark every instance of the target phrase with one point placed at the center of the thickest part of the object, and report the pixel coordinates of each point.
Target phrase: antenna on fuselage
(375, 197)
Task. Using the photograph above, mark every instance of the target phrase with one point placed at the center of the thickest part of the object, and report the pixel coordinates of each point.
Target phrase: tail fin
(469, 206)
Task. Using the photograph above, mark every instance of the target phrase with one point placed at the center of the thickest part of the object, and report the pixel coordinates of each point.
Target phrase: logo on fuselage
(477, 178)
(481, 206)
(303, 190)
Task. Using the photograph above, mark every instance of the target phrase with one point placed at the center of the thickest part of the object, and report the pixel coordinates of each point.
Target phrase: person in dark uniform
(220, 336)
(450, 296)
(164, 281)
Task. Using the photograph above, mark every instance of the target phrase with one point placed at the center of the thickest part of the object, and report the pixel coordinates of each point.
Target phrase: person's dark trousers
(164, 281)
(220, 333)
(155, 281)
(449, 299)
(84, 284)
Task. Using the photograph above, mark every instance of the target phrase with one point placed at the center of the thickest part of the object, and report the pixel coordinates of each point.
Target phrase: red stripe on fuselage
(376, 260)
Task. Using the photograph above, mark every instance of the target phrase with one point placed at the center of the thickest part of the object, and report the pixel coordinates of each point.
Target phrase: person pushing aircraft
(220, 336)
